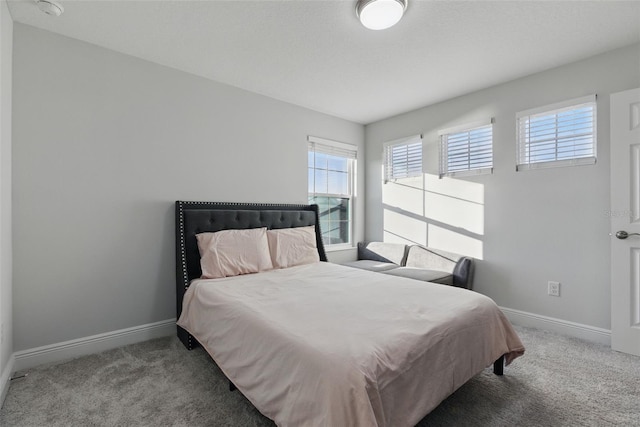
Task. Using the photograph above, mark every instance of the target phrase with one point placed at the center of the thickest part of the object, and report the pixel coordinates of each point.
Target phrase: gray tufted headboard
(199, 217)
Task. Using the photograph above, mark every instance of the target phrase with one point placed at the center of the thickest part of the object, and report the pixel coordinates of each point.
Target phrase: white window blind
(467, 149)
(562, 134)
(333, 148)
(403, 158)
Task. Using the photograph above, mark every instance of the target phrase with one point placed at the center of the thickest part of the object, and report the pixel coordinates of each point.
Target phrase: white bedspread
(328, 345)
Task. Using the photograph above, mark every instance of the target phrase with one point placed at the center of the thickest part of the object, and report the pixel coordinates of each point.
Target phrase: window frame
(444, 149)
(549, 110)
(350, 152)
(406, 141)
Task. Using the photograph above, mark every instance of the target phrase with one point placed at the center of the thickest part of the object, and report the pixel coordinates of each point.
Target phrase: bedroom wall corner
(525, 228)
(6, 281)
(105, 143)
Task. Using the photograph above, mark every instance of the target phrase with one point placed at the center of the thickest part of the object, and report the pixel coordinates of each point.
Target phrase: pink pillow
(293, 246)
(233, 252)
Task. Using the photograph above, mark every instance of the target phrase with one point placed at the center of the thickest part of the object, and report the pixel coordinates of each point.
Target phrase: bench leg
(498, 366)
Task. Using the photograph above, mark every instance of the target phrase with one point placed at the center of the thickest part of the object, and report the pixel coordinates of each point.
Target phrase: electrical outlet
(553, 289)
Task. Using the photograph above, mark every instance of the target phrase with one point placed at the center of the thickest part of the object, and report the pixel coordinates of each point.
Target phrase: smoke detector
(50, 7)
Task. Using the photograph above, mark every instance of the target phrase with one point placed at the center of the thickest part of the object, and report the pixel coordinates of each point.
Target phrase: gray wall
(104, 143)
(526, 227)
(6, 324)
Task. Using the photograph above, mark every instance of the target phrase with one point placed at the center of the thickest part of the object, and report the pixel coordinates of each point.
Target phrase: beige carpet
(559, 382)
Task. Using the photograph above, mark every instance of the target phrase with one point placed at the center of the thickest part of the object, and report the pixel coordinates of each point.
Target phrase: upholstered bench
(416, 262)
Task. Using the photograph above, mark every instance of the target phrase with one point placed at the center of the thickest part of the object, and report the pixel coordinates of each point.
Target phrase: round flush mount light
(50, 7)
(380, 14)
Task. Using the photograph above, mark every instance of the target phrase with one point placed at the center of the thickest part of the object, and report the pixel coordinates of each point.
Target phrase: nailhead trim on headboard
(182, 248)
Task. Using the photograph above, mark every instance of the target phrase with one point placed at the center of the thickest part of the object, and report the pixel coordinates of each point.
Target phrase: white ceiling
(315, 53)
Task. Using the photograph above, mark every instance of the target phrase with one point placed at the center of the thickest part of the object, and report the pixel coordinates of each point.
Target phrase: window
(331, 167)
(403, 158)
(561, 134)
(466, 150)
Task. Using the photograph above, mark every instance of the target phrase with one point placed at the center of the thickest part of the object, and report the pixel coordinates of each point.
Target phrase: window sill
(337, 248)
(581, 161)
(469, 172)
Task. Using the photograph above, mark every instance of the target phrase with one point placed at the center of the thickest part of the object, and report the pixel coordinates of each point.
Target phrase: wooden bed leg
(498, 366)
(232, 386)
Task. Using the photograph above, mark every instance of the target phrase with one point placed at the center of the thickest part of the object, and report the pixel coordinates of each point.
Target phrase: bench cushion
(432, 259)
(372, 265)
(435, 276)
(382, 252)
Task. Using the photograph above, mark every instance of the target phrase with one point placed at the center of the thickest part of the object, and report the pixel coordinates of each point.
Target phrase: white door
(625, 221)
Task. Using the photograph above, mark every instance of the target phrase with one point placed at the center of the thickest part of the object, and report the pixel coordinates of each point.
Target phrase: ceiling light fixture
(380, 14)
(50, 7)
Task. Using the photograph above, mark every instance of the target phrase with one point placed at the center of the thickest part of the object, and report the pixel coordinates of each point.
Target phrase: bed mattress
(328, 345)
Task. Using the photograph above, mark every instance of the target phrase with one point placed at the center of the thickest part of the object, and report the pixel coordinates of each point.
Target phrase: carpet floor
(560, 381)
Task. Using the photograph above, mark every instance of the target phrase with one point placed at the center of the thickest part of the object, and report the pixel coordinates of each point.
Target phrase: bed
(320, 344)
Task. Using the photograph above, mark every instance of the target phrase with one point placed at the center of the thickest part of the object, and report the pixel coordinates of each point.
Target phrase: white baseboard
(564, 327)
(5, 379)
(30, 358)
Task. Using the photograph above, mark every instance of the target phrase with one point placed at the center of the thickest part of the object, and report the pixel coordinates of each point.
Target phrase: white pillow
(233, 252)
(293, 246)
